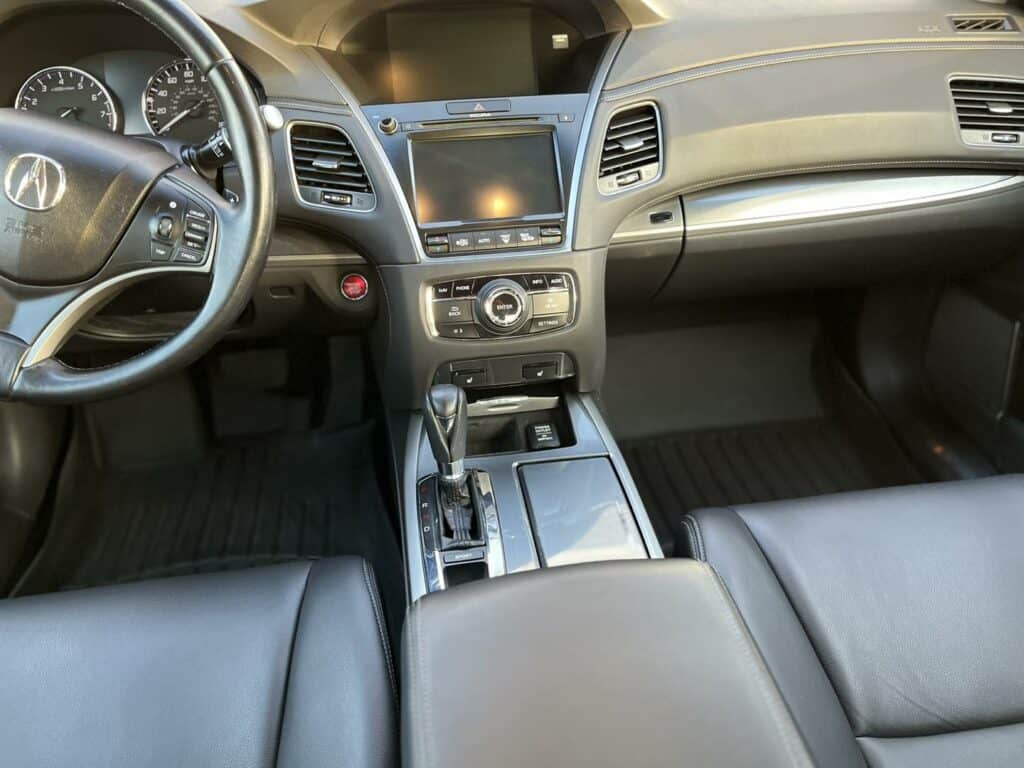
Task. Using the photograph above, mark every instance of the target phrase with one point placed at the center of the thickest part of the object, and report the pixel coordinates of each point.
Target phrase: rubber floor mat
(255, 503)
(681, 472)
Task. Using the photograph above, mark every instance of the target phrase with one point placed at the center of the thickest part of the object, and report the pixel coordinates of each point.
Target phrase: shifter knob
(446, 417)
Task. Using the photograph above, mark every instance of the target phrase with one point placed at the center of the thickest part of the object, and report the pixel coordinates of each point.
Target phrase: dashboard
(642, 152)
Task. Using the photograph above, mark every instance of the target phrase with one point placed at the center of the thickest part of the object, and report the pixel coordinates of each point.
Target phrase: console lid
(606, 664)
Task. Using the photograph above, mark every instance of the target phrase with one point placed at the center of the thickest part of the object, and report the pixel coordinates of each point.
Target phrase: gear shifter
(446, 419)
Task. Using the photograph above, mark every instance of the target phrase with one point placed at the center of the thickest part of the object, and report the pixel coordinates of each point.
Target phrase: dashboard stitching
(694, 73)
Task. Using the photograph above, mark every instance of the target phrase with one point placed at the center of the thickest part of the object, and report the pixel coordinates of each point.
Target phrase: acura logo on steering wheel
(34, 182)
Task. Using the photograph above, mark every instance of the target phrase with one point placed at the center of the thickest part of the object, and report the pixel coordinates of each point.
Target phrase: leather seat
(281, 666)
(892, 621)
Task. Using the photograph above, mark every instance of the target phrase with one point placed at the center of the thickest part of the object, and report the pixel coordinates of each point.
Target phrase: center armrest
(606, 664)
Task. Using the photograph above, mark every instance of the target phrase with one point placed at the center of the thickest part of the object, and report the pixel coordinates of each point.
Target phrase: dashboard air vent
(327, 169)
(990, 112)
(632, 149)
(983, 24)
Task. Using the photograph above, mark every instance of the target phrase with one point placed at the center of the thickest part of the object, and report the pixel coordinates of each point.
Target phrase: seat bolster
(999, 747)
(721, 538)
(341, 704)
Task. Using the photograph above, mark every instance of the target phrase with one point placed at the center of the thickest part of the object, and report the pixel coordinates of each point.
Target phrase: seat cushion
(903, 606)
(286, 665)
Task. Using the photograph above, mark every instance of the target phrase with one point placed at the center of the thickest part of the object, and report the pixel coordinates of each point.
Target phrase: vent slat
(988, 106)
(310, 143)
(632, 141)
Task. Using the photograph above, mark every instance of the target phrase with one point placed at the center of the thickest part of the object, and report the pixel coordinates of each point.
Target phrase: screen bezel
(496, 133)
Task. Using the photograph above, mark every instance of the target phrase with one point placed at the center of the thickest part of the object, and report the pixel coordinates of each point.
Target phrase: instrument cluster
(176, 101)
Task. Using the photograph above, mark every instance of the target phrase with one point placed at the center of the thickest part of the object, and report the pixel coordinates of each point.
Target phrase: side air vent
(632, 152)
(327, 170)
(983, 23)
(989, 112)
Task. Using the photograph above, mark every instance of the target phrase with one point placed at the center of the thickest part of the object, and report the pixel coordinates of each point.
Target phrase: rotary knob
(503, 306)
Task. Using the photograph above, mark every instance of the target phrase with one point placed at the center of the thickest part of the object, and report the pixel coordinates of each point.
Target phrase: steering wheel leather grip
(36, 318)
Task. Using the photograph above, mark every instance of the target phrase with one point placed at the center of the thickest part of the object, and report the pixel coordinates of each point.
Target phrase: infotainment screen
(486, 178)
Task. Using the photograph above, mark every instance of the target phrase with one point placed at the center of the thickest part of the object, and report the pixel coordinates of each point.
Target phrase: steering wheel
(86, 213)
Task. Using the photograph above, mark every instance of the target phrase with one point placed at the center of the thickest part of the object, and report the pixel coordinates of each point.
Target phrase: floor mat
(678, 473)
(253, 503)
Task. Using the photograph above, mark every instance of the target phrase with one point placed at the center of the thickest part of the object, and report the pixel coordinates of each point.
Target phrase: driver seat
(286, 666)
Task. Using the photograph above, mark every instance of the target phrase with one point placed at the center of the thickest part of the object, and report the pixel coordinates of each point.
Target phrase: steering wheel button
(195, 225)
(159, 252)
(188, 256)
(195, 212)
(165, 227)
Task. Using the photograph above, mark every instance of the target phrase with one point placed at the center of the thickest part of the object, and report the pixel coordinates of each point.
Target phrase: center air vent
(327, 169)
(989, 112)
(632, 149)
(983, 23)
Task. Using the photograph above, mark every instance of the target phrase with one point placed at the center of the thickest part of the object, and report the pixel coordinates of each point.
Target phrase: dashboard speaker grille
(983, 24)
(632, 148)
(323, 158)
(989, 111)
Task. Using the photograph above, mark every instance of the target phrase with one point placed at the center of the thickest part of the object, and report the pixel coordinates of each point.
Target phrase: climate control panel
(502, 305)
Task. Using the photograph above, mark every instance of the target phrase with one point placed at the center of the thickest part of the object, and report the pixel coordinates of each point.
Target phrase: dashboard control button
(535, 282)
(540, 372)
(463, 289)
(1006, 138)
(549, 323)
(473, 378)
(437, 250)
(354, 287)
(527, 237)
(437, 239)
(505, 238)
(458, 331)
(462, 242)
(555, 303)
(160, 252)
(557, 281)
(503, 305)
(443, 291)
(453, 312)
(484, 241)
(478, 107)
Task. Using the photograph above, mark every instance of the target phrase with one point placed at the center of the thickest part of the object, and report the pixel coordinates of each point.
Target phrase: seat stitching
(291, 658)
(769, 692)
(371, 587)
(693, 534)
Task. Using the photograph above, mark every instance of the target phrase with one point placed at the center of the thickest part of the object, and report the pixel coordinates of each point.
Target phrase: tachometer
(179, 102)
(68, 93)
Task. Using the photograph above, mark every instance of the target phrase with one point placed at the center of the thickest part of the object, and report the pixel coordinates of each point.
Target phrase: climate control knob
(503, 306)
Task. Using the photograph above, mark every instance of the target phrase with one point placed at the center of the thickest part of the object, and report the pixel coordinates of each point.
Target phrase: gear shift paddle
(446, 419)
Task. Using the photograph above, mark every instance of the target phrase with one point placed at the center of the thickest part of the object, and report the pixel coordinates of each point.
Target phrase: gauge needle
(181, 116)
(67, 112)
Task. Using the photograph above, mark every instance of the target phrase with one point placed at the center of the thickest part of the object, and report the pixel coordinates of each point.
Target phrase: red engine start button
(354, 287)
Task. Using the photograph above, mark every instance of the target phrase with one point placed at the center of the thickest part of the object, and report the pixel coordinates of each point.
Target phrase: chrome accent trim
(103, 89)
(314, 259)
(603, 189)
(295, 179)
(34, 179)
(408, 476)
(511, 404)
(492, 523)
(802, 199)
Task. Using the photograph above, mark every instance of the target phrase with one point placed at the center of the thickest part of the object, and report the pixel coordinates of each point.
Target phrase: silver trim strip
(495, 547)
(800, 199)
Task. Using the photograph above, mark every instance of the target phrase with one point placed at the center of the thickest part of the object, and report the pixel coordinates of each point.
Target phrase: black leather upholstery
(633, 663)
(890, 619)
(282, 666)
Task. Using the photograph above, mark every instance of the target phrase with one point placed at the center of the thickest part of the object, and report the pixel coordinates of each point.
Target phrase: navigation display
(486, 178)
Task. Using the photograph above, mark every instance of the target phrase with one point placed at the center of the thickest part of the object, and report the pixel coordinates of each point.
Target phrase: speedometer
(70, 94)
(179, 102)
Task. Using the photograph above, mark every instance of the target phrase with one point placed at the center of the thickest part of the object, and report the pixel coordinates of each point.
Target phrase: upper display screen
(468, 52)
(486, 178)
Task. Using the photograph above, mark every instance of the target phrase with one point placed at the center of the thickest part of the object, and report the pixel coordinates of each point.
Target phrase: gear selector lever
(446, 417)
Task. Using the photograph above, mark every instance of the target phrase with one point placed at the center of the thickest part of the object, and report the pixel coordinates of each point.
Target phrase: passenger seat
(284, 666)
(892, 620)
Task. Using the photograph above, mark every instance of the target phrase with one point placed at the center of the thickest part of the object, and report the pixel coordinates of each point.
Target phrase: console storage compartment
(599, 665)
